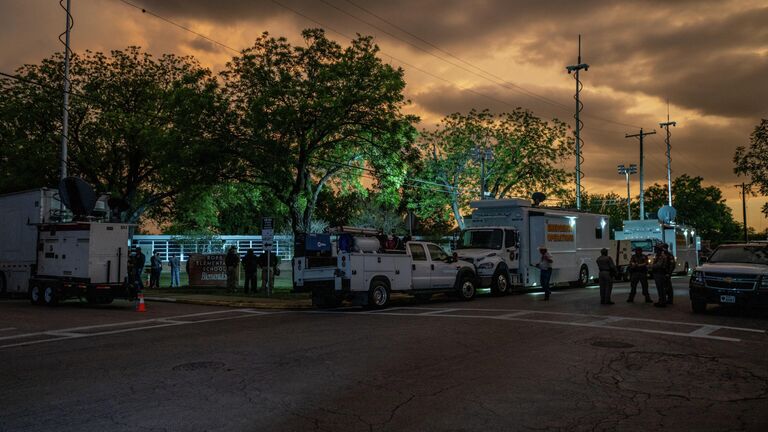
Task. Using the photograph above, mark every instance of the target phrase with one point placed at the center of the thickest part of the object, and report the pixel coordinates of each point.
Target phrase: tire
(3, 284)
(583, 276)
(466, 288)
(422, 297)
(378, 294)
(686, 269)
(35, 295)
(500, 283)
(698, 306)
(50, 297)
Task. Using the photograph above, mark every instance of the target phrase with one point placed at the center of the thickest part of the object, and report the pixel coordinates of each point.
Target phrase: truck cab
(494, 253)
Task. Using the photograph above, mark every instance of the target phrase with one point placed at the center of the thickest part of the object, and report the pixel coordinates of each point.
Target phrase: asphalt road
(492, 364)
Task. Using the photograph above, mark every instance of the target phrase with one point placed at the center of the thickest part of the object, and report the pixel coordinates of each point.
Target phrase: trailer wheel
(378, 294)
(583, 275)
(50, 297)
(35, 295)
(467, 288)
(500, 283)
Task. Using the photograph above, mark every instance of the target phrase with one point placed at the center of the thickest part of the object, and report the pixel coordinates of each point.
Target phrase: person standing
(638, 273)
(156, 267)
(250, 265)
(607, 271)
(671, 264)
(139, 260)
(659, 272)
(231, 261)
(175, 263)
(545, 270)
(268, 272)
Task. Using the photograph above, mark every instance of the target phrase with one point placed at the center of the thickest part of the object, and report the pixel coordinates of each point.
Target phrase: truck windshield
(646, 245)
(481, 239)
(741, 254)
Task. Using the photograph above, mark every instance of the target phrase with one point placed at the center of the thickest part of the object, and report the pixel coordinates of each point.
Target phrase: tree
(306, 114)
(611, 204)
(702, 207)
(753, 162)
(141, 128)
(525, 150)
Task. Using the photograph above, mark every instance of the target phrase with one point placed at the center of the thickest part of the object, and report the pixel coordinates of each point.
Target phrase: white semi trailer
(505, 235)
(49, 260)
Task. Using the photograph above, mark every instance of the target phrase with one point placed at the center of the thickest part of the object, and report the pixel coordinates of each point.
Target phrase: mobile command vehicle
(683, 242)
(355, 267)
(505, 235)
(50, 260)
(735, 275)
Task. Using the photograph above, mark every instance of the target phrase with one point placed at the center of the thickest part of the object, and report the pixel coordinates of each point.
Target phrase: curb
(232, 303)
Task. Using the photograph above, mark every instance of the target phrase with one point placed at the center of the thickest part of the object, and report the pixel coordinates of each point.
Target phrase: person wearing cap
(659, 272)
(607, 269)
(671, 264)
(545, 270)
(638, 272)
(233, 275)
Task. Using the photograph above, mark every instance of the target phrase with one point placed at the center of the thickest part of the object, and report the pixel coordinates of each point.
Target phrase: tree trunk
(457, 210)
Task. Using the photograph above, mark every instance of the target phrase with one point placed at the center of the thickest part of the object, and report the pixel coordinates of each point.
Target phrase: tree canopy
(752, 162)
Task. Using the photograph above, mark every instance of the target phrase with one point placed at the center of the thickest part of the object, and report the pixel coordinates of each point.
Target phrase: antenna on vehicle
(78, 196)
(538, 198)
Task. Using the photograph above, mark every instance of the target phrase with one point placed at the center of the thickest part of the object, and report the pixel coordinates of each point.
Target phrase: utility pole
(626, 171)
(579, 124)
(666, 126)
(642, 191)
(65, 111)
(743, 187)
(482, 154)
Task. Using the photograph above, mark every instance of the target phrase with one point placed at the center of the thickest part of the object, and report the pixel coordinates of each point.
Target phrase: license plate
(727, 299)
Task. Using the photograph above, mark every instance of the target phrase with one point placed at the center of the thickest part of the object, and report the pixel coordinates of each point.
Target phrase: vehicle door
(443, 271)
(421, 272)
(511, 252)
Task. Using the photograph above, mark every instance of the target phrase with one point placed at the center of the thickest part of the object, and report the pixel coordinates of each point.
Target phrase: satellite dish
(538, 198)
(78, 196)
(666, 214)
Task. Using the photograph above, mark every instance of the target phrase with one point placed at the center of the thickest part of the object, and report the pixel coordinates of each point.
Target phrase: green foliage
(753, 162)
(611, 204)
(526, 153)
(306, 113)
(141, 128)
(375, 215)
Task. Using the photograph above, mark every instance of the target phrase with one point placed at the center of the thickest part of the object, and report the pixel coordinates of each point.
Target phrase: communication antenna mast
(65, 110)
(666, 126)
(579, 124)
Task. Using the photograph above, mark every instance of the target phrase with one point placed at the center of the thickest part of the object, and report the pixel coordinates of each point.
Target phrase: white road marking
(601, 321)
(8, 328)
(73, 333)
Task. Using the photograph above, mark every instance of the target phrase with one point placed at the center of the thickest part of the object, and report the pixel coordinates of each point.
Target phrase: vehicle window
(646, 245)
(598, 233)
(436, 252)
(417, 252)
(481, 239)
(741, 254)
(510, 238)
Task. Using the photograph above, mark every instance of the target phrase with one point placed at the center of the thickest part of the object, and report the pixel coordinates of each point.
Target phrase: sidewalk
(279, 300)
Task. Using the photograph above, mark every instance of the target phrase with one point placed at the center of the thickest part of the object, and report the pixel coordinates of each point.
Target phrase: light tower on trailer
(579, 124)
(666, 126)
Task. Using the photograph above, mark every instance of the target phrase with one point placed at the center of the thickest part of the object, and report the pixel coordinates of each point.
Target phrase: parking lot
(508, 363)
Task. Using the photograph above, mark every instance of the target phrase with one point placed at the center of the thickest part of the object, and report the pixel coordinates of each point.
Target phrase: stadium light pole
(626, 172)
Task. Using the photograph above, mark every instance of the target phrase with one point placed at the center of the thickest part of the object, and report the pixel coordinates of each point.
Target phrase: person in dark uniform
(231, 261)
(671, 264)
(638, 272)
(155, 268)
(607, 269)
(268, 273)
(659, 272)
(139, 260)
(545, 271)
(250, 265)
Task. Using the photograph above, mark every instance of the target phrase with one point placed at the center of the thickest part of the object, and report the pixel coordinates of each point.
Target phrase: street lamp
(626, 171)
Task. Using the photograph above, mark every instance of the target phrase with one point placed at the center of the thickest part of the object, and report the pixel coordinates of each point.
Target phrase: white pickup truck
(367, 276)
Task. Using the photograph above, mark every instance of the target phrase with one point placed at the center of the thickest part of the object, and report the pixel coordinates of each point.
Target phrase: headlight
(485, 266)
(764, 282)
(698, 276)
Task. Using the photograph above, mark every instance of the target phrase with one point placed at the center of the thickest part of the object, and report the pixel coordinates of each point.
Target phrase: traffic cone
(141, 307)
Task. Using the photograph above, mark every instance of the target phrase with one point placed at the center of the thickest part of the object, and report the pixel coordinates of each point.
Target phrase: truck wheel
(467, 288)
(583, 276)
(50, 297)
(35, 295)
(500, 283)
(378, 294)
(698, 306)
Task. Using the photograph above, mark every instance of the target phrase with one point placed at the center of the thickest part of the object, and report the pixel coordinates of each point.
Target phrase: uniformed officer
(607, 269)
(671, 264)
(638, 273)
(659, 272)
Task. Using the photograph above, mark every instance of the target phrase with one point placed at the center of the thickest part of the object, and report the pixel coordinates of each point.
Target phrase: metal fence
(169, 245)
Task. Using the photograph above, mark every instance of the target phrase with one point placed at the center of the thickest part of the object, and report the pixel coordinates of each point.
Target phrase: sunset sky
(708, 58)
